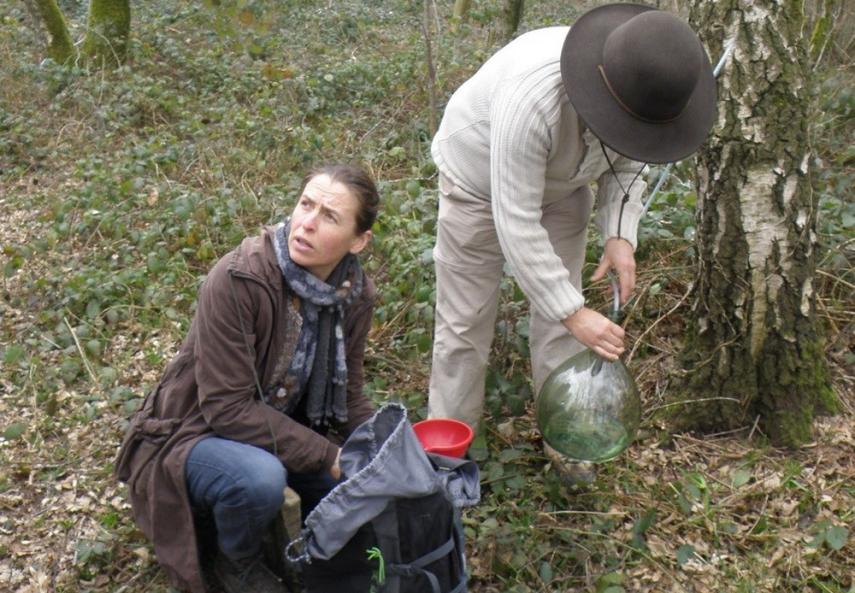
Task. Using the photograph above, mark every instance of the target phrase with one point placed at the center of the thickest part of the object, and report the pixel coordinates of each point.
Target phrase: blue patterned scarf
(319, 364)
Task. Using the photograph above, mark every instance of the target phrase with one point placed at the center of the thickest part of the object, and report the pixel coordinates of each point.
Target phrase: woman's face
(323, 226)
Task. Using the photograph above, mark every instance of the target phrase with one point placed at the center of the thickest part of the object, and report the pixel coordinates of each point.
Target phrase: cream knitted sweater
(510, 135)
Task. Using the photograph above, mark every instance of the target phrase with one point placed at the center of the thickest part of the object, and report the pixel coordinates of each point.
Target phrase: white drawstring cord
(662, 177)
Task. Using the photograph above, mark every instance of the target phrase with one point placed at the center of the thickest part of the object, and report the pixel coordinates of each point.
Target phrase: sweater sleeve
(610, 199)
(519, 148)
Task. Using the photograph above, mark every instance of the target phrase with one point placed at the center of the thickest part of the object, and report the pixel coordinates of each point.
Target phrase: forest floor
(679, 513)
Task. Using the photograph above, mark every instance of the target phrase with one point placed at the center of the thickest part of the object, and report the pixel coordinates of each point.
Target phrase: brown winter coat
(209, 389)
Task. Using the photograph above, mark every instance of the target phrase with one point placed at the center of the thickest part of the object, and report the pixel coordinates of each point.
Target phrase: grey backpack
(393, 525)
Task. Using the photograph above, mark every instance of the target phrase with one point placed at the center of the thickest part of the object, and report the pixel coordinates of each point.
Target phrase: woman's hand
(618, 256)
(335, 470)
(596, 332)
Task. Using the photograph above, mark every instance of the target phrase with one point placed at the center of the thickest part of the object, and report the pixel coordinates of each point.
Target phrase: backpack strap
(418, 565)
(460, 540)
(388, 540)
(386, 531)
(409, 570)
(460, 588)
(434, 554)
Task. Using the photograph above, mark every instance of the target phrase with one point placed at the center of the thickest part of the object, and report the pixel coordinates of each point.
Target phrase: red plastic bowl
(444, 436)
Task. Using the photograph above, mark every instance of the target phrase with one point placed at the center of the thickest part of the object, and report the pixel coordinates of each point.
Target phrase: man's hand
(596, 332)
(335, 470)
(618, 256)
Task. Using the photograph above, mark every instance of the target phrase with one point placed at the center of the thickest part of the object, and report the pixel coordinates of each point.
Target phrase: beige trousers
(469, 262)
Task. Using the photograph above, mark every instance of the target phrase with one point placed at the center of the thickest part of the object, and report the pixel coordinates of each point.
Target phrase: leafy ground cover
(119, 190)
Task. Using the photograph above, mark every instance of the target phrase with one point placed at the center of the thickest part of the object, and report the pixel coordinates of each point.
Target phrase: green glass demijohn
(589, 409)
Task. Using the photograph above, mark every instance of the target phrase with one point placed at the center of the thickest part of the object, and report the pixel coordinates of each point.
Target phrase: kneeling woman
(272, 363)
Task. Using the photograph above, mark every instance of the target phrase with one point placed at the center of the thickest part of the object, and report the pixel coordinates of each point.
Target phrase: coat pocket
(144, 438)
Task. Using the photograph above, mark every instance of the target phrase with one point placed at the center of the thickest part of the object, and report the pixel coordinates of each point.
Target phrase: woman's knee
(266, 483)
(224, 472)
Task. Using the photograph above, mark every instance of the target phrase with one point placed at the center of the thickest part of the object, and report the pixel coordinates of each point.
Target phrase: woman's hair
(359, 182)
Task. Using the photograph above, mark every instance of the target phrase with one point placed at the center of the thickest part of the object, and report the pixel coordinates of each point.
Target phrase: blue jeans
(241, 487)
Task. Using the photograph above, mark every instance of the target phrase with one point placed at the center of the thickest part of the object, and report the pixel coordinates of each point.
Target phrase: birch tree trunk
(753, 352)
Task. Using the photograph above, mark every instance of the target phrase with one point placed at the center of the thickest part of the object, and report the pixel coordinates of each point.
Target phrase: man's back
(523, 79)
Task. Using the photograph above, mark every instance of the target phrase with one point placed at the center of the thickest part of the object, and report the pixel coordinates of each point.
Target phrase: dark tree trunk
(753, 351)
(107, 32)
(428, 20)
(461, 9)
(512, 12)
(59, 46)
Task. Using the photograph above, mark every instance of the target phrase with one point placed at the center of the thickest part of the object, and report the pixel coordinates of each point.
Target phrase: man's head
(641, 81)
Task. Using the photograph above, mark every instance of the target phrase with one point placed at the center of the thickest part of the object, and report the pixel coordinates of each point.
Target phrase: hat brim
(609, 121)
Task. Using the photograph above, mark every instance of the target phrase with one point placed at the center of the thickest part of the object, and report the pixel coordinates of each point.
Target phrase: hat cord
(615, 313)
(625, 190)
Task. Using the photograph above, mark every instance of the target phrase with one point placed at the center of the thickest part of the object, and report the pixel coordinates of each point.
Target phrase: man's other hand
(618, 256)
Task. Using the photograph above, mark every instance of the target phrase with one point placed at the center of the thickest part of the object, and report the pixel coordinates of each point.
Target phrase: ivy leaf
(545, 572)
(516, 483)
(423, 343)
(740, 477)
(494, 471)
(413, 187)
(816, 542)
(836, 537)
(685, 553)
(93, 309)
(13, 354)
(14, 431)
(508, 455)
(610, 583)
(684, 504)
(612, 578)
(478, 449)
(641, 526)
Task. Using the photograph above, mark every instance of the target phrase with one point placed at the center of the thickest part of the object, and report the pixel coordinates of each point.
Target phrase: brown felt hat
(640, 80)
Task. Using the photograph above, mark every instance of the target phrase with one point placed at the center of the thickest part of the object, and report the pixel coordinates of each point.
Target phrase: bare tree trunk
(753, 349)
(427, 26)
(107, 32)
(59, 47)
(461, 8)
(512, 12)
(458, 13)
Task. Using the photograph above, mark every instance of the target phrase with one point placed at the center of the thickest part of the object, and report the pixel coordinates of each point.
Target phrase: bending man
(519, 146)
